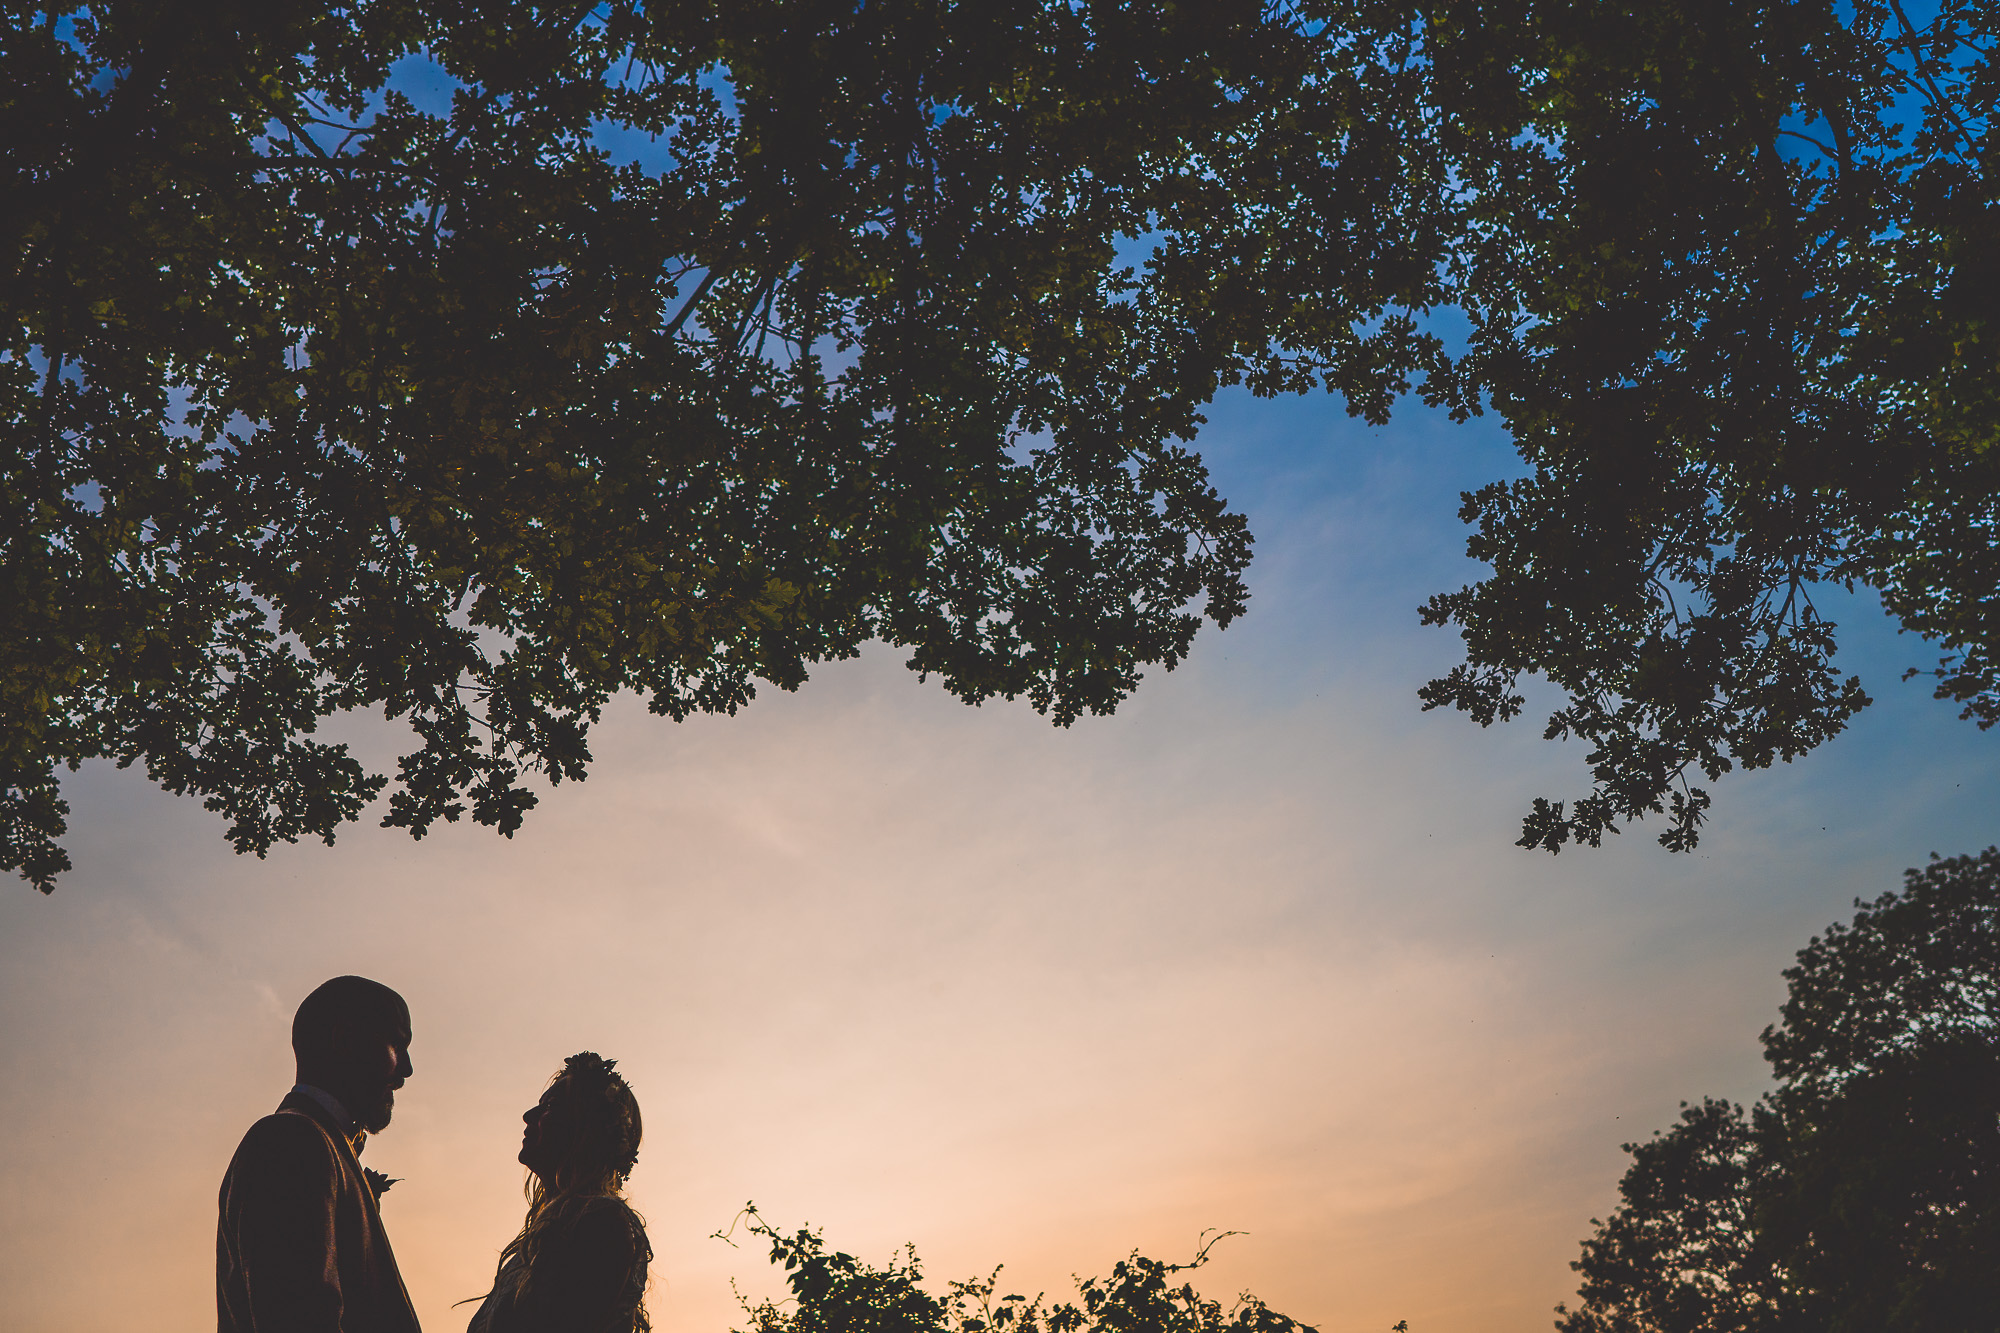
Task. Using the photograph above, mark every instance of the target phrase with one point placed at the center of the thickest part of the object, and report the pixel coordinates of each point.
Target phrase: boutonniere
(377, 1181)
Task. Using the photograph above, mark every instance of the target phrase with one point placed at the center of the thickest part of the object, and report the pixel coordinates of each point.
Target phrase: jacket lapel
(343, 1150)
(376, 1241)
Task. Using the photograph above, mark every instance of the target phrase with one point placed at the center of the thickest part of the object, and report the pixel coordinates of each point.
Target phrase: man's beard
(375, 1117)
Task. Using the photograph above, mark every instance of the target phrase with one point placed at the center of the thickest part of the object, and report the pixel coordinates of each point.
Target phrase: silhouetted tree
(1680, 1254)
(1734, 275)
(1863, 1192)
(474, 363)
(838, 1293)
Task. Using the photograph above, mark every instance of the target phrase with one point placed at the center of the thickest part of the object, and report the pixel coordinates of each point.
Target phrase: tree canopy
(474, 363)
(1863, 1192)
(1734, 272)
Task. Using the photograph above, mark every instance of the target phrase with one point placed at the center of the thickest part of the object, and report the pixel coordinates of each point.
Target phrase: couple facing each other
(300, 1246)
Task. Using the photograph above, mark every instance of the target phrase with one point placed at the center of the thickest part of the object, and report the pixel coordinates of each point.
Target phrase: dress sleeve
(282, 1198)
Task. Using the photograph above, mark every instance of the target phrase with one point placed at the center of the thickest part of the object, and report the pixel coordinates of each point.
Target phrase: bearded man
(300, 1247)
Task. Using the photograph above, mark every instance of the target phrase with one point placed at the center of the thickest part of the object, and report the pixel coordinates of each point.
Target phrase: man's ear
(340, 1040)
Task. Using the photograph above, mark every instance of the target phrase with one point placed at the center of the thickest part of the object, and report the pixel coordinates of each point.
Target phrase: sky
(1256, 953)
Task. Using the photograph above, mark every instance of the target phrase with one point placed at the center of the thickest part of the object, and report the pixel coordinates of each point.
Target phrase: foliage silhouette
(1732, 277)
(1863, 1192)
(474, 363)
(838, 1293)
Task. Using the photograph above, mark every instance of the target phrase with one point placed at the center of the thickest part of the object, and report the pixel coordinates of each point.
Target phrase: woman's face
(542, 1142)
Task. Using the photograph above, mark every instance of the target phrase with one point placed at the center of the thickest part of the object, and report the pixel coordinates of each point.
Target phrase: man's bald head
(345, 1003)
(352, 1038)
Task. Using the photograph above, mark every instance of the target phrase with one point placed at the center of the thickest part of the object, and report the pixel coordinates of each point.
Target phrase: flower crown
(595, 1083)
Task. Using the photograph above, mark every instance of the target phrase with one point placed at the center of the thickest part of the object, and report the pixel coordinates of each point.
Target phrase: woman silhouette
(579, 1264)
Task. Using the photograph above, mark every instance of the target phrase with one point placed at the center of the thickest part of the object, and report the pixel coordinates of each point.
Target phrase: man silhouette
(300, 1247)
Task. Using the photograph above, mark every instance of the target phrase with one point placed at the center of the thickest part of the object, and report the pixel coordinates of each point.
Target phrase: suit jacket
(300, 1247)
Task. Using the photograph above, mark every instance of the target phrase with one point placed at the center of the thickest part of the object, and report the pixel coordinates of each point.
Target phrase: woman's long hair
(601, 1115)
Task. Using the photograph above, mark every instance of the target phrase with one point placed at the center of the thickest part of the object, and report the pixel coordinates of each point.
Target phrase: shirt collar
(348, 1124)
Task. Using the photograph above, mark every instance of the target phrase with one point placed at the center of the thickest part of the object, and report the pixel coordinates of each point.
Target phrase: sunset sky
(1257, 953)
